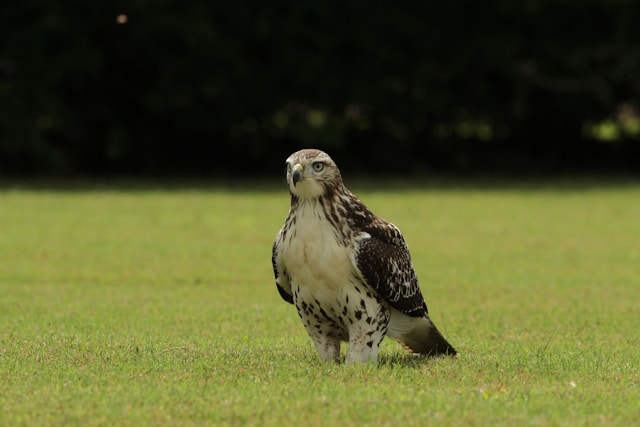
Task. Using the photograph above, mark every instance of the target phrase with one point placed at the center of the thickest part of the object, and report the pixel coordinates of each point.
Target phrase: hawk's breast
(315, 258)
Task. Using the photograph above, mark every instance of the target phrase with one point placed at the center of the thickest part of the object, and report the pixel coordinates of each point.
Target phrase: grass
(151, 307)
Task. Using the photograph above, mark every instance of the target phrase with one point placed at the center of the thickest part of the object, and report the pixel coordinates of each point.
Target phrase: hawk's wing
(280, 273)
(382, 256)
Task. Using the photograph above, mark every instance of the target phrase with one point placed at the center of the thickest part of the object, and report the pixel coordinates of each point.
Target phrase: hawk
(347, 271)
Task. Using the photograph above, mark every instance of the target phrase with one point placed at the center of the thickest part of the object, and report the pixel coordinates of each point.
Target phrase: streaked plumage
(347, 271)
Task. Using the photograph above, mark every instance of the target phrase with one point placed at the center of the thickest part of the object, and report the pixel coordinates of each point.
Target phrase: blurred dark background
(221, 88)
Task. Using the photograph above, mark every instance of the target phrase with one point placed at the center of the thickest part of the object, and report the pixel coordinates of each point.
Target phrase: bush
(200, 87)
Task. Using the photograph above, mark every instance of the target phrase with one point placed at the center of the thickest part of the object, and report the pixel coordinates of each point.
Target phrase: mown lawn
(158, 307)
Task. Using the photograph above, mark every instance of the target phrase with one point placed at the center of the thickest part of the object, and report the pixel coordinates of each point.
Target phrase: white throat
(307, 188)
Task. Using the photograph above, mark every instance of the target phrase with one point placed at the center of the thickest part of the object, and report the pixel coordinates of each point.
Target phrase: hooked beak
(296, 174)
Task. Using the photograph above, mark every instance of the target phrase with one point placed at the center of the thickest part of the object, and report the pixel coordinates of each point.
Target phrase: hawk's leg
(363, 348)
(365, 335)
(325, 333)
(328, 347)
(326, 336)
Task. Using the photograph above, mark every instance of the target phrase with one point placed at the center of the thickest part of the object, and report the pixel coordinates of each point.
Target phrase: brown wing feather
(282, 281)
(385, 264)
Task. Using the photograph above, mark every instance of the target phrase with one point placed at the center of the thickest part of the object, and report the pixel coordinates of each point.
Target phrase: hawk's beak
(296, 174)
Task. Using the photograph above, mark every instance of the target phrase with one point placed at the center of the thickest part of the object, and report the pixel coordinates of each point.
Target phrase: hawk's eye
(318, 166)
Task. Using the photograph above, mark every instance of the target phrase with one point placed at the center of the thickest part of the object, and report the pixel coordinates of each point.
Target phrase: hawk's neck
(341, 209)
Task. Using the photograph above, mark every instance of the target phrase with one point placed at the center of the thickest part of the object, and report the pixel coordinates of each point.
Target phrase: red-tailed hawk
(347, 271)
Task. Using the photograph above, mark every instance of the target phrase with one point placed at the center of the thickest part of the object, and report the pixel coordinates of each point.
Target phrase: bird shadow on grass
(409, 360)
(391, 360)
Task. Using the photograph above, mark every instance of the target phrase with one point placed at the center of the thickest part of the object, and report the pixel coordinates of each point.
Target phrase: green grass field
(158, 307)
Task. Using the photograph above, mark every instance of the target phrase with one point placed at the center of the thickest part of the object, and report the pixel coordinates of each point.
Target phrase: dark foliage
(232, 87)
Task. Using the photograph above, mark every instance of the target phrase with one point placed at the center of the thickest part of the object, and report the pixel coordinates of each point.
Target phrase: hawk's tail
(419, 335)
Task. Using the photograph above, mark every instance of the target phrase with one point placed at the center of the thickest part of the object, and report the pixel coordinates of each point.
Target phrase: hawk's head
(310, 173)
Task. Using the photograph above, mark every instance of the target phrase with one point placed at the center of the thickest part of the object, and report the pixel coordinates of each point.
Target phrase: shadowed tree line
(221, 88)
